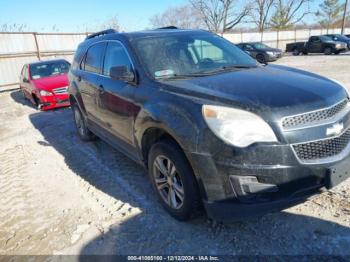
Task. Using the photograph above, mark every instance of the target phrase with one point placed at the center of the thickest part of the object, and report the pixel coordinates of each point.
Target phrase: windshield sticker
(162, 73)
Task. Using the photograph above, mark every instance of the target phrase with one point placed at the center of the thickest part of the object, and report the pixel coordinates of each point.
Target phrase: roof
(111, 34)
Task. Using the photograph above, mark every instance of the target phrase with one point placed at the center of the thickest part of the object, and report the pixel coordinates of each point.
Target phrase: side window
(206, 50)
(93, 59)
(249, 48)
(25, 72)
(314, 39)
(115, 56)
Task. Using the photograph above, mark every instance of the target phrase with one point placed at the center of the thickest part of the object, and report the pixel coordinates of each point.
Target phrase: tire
(295, 51)
(83, 132)
(176, 181)
(261, 59)
(328, 51)
(337, 52)
(305, 53)
(37, 103)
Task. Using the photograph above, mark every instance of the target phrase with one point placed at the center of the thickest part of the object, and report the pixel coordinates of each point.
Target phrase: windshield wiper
(228, 68)
(182, 76)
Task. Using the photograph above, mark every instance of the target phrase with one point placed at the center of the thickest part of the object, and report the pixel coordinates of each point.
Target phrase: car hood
(49, 83)
(267, 90)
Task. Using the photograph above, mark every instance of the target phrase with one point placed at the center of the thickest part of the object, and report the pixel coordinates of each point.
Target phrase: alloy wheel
(168, 182)
(79, 121)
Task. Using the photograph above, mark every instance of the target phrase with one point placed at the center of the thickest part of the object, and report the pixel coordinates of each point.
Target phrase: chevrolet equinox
(214, 128)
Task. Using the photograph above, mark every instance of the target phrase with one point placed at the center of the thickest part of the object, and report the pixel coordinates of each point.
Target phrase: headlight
(270, 53)
(338, 45)
(237, 127)
(45, 93)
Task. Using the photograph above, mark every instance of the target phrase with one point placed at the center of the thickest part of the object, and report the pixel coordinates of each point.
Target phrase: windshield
(48, 69)
(340, 37)
(188, 55)
(261, 46)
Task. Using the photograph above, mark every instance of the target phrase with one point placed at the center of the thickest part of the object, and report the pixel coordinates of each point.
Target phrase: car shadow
(18, 97)
(153, 232)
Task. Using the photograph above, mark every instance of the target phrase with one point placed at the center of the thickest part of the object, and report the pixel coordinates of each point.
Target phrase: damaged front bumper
(241, 183)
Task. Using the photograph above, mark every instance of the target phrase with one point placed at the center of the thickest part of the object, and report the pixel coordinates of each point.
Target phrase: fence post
(241, 36)
(295, 35)
(37, 46)
(278, 38)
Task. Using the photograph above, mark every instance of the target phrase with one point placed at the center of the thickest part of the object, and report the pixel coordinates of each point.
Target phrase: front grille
(314, 117)
(319, 150)
(61, 90)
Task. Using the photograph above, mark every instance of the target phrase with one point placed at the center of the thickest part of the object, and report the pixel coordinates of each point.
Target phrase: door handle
(101, 89)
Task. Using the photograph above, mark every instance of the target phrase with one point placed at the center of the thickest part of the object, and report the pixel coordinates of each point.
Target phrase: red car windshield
(48, 69)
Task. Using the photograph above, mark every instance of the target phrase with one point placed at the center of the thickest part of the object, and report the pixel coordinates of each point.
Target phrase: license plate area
(337, 174)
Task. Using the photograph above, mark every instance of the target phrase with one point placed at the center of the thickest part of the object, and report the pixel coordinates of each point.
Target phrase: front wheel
(328, 51)
(83, 132)
(174, 181)
(261, 59)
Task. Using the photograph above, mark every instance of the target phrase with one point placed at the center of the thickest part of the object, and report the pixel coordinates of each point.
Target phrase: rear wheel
(328, 51)
(296, 52)
(174, 181)
(83, 132)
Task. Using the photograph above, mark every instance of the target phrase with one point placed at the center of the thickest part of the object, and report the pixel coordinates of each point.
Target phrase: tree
(330, 13)
(260, 12)
(182, 17)
(111, 23)
(13, 27)
(289, 12)
(221, 15)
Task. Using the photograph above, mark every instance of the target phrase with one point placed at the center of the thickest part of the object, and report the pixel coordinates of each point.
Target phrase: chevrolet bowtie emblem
(334, 130)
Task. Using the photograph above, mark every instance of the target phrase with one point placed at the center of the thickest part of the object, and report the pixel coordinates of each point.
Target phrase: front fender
(181, 123)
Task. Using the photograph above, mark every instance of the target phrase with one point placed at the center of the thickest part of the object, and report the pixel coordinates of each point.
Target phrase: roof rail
(101, 33)
(167, 27)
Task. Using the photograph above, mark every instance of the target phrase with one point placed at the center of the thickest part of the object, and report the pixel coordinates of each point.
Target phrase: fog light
(247, 185)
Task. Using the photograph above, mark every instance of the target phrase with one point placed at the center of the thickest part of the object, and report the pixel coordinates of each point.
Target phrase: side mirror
(122, 73)
(25, 80)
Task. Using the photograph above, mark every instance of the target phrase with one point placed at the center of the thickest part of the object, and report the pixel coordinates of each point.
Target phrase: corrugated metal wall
(16, 49)
(282, 38)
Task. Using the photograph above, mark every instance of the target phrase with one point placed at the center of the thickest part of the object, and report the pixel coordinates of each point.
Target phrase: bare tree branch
(221, 15)
(289, 12)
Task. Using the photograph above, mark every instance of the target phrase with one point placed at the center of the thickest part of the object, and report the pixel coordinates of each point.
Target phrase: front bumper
(269, 164)
(54, 101)
(275, 57)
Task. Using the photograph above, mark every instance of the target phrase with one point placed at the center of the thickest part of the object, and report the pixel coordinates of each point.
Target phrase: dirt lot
(59, 195)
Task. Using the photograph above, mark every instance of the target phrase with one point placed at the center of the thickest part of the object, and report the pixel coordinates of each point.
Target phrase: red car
(45, 83)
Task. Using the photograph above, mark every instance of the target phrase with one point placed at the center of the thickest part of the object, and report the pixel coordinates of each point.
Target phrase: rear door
(88, 78)
(116, 107)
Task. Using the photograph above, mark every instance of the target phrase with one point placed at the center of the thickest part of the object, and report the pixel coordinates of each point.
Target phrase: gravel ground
(59, 195)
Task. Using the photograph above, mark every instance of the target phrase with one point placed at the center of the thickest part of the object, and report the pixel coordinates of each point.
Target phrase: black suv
(213, 127)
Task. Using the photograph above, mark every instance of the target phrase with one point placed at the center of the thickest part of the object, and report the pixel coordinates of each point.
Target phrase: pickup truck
(317, 44)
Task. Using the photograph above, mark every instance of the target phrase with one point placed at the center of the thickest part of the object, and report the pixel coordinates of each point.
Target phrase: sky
(84, 15)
